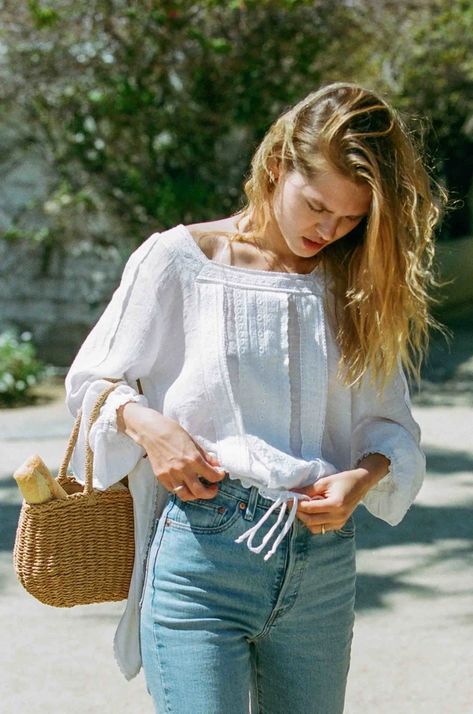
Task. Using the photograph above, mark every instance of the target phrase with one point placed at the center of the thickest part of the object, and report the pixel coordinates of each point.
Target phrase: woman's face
(311, 215)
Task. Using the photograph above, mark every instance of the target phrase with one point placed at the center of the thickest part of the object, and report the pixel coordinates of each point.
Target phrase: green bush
(20, 370)
(153, 110)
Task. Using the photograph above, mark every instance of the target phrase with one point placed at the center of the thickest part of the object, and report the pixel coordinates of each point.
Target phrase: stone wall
(54, 290)
(59, 300)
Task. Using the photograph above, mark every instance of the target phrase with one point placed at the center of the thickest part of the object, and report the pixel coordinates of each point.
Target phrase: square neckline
(240, 269)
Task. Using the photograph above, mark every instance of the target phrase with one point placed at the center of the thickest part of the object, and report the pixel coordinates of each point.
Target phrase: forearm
(131, 419)
(371, 469)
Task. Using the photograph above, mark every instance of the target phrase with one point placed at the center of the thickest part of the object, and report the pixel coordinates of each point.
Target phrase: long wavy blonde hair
(383, 270)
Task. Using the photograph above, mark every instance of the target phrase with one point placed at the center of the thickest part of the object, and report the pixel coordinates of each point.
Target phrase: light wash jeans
(218, 623)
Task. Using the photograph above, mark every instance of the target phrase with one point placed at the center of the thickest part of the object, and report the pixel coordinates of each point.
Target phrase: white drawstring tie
(251, 532)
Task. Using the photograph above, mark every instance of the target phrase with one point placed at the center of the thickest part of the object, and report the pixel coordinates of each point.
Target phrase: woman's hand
(334, 498)
(176, 459)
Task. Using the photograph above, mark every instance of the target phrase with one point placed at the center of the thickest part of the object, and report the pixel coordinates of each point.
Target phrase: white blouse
(245, 360)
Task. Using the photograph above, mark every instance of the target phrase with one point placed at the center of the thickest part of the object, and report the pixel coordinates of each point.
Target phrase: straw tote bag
(78, 550)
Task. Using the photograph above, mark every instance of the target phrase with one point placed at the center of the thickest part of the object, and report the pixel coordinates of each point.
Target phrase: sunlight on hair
(384, 277)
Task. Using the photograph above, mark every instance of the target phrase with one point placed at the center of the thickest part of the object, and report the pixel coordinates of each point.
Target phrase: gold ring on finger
(322, 529)
(178, 488)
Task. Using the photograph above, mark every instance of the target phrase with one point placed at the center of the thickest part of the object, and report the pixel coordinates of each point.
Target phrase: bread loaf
(36, 482)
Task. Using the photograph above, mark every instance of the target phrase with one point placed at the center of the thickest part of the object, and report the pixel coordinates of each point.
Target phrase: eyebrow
(321, 205)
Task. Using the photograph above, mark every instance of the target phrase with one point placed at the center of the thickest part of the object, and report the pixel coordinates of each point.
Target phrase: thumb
(320, 485)
(316, 489)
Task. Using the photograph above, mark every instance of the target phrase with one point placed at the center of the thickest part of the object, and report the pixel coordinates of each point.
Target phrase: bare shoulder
(208, 235)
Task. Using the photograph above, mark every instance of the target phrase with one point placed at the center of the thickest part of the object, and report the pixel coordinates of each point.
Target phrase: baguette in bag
(36, 483)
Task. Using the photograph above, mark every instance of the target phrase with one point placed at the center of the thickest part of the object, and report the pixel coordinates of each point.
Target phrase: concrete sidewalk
(412, 649)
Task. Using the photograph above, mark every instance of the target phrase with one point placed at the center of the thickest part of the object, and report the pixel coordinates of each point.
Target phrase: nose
(327, 228)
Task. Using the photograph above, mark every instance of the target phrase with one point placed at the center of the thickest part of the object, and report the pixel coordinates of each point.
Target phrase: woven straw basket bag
(79, 550)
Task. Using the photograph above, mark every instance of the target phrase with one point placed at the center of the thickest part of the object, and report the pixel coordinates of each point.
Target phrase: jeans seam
(161, 673)
(278, 612)
(147, 564)
(259, 694)
(155, 638)
(158, 548)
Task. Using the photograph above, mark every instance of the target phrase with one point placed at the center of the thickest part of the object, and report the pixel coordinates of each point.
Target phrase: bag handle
(89, 456)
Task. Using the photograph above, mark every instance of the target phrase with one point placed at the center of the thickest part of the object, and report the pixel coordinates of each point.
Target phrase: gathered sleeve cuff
(107, 420)
(384, 424)
(393, 495)
(115, 454)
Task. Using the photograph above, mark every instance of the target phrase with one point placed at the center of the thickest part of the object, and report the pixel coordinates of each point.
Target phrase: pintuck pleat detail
(263, 357)
(257, 349)
(314, 377)
(213, 338)
(295, 369)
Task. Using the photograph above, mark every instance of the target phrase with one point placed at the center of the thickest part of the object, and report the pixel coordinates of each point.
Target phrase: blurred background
(121, 119)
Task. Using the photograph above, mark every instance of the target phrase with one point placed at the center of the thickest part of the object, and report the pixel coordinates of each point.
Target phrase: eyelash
(321, 210)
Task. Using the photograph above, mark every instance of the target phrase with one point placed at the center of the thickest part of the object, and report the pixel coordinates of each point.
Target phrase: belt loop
(252, 502)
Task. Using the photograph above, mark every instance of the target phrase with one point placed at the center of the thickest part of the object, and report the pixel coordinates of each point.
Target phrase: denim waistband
(234, 488)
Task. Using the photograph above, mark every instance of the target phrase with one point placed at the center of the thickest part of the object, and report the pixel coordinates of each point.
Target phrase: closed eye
(353, 219)
(314, 209)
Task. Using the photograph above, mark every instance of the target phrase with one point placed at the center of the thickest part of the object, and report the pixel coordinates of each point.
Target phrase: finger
(183, 493)
(175, 486)
(317, 518)
(204, 466)
(214, 474)
(316, 505)
(314, 520)
(317, 528)
(321, 530)
(211, 475)
(209, 491)
(315, 523)
(198, 489)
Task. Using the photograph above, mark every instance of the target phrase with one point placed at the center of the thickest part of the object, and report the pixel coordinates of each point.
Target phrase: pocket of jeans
(205, 515)
(348, 529)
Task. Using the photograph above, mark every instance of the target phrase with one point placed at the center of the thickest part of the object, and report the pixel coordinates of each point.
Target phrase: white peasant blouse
(245, 360)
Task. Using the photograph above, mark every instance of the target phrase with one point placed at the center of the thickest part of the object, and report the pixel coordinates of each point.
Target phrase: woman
(271, 347)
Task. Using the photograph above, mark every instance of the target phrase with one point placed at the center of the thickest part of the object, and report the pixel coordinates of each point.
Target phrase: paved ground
(414, 632)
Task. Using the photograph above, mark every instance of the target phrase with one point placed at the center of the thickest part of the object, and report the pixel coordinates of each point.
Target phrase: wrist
(371, 469)
(130, 420)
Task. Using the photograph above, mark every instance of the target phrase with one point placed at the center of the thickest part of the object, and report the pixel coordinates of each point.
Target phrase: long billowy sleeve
(385, 425)
(126, 343)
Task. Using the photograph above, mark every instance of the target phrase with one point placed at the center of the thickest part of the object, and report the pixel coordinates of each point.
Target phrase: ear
(274, 167)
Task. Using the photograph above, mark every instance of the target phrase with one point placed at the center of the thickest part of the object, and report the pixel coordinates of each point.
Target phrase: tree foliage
(157, 106)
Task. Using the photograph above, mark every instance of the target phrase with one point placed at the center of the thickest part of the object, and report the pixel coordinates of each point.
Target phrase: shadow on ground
(422, 526)
(446, 461)
(447, 373)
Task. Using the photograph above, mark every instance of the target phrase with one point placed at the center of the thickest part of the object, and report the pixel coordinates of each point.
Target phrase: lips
(314, 242)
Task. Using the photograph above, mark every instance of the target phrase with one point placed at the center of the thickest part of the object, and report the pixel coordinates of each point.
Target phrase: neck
(272, 244)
